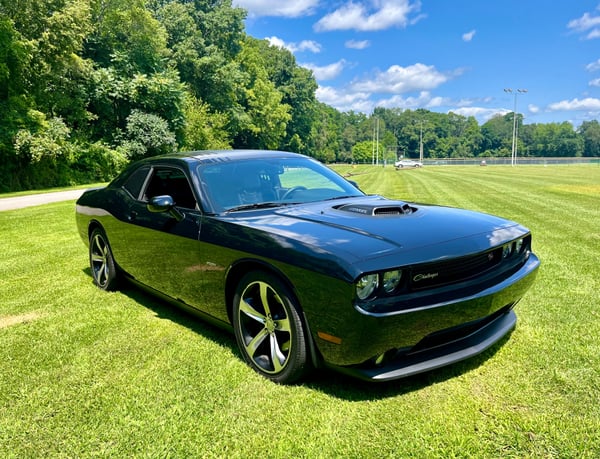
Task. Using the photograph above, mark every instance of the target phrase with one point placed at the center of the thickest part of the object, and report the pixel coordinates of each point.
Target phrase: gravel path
(19, 202)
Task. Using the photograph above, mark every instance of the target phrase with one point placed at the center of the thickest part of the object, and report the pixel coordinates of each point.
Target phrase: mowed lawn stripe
(88, 374)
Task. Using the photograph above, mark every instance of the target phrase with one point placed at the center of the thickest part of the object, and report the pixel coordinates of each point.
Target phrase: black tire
(102, 263)
(268, 328)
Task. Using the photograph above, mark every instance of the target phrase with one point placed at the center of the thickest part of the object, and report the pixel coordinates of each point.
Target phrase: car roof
(210, 156)
(203, 156)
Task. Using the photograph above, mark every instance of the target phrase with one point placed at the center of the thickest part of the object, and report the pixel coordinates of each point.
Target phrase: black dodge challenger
(305, 268)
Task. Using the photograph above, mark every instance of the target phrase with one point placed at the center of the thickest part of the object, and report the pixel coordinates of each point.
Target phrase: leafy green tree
(262, 124)
(297, 87)
(555, 140)
(362, 152)
(50, 142)
(349, 131)
(146, 135)
(204, 130)
(205, 38)
(52, 33)
(325, 136)
(114, 96)
(127, 37)
(15, 54)
(497, 135)
(590, 131)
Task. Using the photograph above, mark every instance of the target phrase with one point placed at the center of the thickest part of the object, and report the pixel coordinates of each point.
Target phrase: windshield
(254, 183)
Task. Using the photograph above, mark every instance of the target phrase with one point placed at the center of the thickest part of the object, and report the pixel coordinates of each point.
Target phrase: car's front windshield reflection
(253, 183)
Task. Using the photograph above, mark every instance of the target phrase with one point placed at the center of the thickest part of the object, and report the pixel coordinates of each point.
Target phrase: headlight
(518, 246)
(366, 285)
(391, 279)
(506, 250)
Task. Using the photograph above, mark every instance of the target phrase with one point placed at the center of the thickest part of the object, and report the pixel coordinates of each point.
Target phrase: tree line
(86, 86)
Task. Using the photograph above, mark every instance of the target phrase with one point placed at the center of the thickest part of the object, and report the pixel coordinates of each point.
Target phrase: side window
(135, 182)
(173, 182)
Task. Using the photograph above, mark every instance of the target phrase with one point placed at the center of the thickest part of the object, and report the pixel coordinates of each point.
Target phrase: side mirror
(353, 183)
(165, 204)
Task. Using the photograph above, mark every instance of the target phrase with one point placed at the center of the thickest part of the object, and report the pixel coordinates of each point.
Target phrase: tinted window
(135, 182)
(271, 181)
(172, 182)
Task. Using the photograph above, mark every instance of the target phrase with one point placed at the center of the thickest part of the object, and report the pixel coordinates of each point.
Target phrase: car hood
(365, 230)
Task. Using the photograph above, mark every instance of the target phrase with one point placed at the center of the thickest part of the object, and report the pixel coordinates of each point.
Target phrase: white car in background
(407, 163)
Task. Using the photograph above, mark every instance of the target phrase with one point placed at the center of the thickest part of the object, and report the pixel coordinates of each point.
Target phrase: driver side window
(173, 182)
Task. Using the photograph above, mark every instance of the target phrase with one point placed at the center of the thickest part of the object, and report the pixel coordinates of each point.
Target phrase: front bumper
(397, 344)
(419, 361)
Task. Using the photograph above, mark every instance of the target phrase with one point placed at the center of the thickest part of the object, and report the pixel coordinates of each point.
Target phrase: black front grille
(456, 270)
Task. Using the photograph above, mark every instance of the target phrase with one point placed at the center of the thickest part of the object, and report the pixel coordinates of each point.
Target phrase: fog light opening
(379, 359)
(385, 357)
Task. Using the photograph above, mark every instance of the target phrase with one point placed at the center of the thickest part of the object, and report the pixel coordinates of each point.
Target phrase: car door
(158, 249)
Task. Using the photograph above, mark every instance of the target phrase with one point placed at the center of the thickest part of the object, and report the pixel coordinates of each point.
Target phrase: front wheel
(268, 328)
(102, 263)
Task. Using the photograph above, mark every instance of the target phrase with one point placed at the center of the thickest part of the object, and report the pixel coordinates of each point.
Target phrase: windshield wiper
(257, 205)
(344, 197)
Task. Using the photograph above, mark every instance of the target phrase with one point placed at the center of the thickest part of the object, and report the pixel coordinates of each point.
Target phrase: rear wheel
(268, 328)
(102, 263)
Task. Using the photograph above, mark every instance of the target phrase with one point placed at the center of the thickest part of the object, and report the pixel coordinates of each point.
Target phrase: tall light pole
(516, 92)
(375, 160)
(420, 139)
(421, 144)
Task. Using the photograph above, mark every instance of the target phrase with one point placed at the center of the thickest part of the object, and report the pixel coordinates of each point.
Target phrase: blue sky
(444, 55)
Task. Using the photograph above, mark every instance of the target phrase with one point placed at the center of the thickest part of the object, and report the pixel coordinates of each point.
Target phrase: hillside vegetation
(87, 86)
(87, 373)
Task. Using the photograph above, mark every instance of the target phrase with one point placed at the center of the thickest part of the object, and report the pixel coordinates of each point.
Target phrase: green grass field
(85, 373)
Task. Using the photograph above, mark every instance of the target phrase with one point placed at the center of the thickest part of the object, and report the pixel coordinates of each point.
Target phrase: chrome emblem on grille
(420, 277)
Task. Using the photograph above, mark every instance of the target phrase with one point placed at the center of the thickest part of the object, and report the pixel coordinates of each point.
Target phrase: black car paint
(319, 251)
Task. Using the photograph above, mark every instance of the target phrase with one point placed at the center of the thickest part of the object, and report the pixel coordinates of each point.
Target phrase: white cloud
(593, 34)
(593, 66)
(345, 101)
(595, 83)
(533, 108)
(326, 72)
(304, 45)
(422, 100)
(370, 15)
(362, 101)
(469, 35)
(398, 80)
(588, 23)
(355, 44)
(589, 104)
(482, 114)
(585, 22)
(290, 9)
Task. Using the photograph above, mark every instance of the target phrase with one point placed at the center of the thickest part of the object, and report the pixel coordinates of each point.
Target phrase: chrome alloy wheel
(265, 327)
(102, 263)
(269, 329)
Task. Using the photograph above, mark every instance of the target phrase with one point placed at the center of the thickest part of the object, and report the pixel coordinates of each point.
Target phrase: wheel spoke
(253, 345)
(104, 274)
(264, 297)
(277, 357)
(98, 244)
(283, 325)
(97, 258)
(248, 310)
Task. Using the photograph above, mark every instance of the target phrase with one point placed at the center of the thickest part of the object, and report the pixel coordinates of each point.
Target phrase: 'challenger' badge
(420, 277)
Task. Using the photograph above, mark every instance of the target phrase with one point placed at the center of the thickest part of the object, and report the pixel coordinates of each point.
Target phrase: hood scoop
(373, 210)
